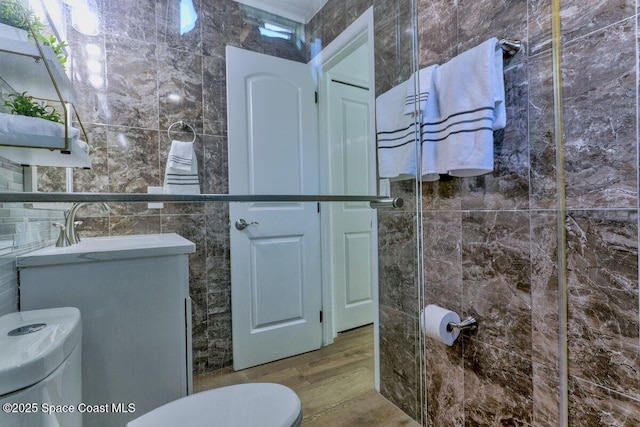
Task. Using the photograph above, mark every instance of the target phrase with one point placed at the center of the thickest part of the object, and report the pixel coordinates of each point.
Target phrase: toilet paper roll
(434, 320)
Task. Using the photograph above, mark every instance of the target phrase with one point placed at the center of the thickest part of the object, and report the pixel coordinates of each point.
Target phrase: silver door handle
(241, 224)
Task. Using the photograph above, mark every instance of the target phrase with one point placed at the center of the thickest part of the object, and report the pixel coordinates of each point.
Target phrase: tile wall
(490, 242)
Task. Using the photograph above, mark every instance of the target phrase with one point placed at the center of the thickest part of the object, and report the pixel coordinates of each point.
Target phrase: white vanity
(133, 294)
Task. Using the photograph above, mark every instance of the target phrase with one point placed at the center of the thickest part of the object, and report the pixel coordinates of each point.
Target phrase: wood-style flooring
(334, 383)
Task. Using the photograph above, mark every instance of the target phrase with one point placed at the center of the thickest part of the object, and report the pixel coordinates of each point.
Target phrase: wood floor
(335, 384)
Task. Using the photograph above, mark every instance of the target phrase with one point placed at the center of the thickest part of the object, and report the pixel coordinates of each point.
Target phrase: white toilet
(40, 368)
(241, 405)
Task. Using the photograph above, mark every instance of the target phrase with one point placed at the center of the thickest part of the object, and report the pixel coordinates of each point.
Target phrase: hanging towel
(419, 93)
(470, 91)
(181, 174)
(396, 135)
(424, 104)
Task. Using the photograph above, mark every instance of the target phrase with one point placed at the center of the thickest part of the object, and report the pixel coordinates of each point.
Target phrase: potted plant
(16, 19)
(57, 46)
(21, 104)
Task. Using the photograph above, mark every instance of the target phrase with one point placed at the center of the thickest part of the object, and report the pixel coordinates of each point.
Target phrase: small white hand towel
(177, 178)
(396, 135)
(470, 90)
(180, 155)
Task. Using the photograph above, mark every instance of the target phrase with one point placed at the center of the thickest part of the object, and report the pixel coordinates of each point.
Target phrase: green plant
(24, 105)
(57, 46)
(18, 14)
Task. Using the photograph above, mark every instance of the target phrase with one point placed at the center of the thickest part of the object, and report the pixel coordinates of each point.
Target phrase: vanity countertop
(91, 249)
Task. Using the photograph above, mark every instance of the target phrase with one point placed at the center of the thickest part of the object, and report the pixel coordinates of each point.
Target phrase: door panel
(275, 261)
(351, 221)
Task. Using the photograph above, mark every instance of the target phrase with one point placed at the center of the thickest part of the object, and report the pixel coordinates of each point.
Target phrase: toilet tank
(40, 368)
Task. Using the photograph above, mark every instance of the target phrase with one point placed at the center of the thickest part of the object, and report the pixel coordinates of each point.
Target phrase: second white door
(351, 222)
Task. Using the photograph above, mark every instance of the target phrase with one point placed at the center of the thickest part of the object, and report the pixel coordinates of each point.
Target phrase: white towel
(180, 155)
(419, 92)
(470, 91)
(181, 173)
(396, 135)
(426, 105)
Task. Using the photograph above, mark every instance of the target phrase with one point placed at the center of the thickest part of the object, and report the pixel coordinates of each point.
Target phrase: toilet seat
(241, 405)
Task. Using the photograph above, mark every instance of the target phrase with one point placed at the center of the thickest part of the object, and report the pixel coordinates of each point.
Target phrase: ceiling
(297, 10)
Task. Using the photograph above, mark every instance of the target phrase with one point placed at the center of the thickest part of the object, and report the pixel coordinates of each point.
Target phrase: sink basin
(109, 248)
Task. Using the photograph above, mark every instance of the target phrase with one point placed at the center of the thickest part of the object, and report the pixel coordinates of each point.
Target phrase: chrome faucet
(70, 221)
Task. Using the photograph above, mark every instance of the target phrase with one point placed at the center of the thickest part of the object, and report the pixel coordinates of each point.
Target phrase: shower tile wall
(490, 242)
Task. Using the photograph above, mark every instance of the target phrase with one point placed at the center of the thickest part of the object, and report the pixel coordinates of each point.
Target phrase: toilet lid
(242, 405)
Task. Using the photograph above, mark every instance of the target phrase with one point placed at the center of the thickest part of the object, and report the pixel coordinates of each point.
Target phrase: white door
(351, 222)
(275, 261)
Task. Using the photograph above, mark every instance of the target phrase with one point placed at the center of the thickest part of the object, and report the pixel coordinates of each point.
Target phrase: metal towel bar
(510, 47)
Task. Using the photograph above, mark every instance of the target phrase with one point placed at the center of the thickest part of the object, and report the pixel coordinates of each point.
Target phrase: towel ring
(182, 125)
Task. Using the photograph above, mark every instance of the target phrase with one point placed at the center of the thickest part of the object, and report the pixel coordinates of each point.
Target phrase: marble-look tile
(89, 75)
(602, 277)
(170, 31)
(214, 96)
(133, 20)
(334, 20)
(599, 115)
(222, 22)
(191, 227)
(218, 227)
(542, 148)
(442, 259)
(507, 187)
(219, 302)
(96, 179)
(313, 35)
(220, 341)
(180, 88)
(215, 166)
(480, 20)
(51, 179)
(444, 194)
(133, 159)
(445, 384)
(393, 43)
(545, 295)
(132, 83)
(218, 274)
(593, 406)
(397, 260)
(355, 8)
(399, 360)
(200, 340)
(581, 17)
(498, 389)
(496, 269)
(130, 224)
(539, 26)
(93, 226)
(546, 396)
(406, 190)
(437, 31)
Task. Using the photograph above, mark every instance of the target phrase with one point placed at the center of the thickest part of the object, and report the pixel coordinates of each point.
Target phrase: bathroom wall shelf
(29, 66)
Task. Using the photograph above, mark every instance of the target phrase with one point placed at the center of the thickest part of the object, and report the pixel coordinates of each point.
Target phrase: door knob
(241, 224)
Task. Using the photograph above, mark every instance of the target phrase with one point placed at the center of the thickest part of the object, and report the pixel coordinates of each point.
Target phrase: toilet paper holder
(469, 324)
